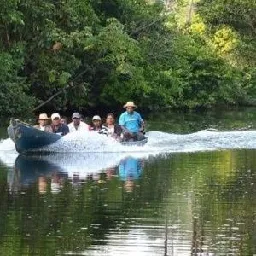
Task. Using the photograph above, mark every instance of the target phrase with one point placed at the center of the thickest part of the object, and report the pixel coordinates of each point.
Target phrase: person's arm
(103, 130)
(141, 123)
(117, 130)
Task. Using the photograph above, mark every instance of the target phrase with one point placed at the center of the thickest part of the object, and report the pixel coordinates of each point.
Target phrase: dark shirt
(117, 129)
(101, 129)
(62, 129)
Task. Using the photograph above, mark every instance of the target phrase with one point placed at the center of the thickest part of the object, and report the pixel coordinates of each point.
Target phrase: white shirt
(110, 131)
(81, 127)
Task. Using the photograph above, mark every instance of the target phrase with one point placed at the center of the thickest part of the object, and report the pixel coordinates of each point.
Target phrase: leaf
(52, 76)
(64, 77)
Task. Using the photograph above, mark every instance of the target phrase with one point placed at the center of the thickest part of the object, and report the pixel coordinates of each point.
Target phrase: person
(43, 120)
(64, 120)
(77, 124)
(131, 123)
(97, 125)
(113, 130)
(57, 126)
(42, 185)
(130, 169)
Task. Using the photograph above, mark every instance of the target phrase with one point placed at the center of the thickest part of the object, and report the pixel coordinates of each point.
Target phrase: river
(189, 191)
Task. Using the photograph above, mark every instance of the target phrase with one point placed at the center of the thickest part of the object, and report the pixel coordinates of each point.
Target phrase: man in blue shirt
(131, 123)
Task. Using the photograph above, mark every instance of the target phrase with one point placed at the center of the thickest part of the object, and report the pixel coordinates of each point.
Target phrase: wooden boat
(135, 143)
(27, 138)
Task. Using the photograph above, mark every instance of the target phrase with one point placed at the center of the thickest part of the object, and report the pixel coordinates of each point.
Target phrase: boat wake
(90, 151)
(158, 142)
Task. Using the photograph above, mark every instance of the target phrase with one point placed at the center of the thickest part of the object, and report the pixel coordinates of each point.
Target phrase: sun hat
(130, 104)
(55, 115)
(43, 116)
(76, 115)
(96, 118)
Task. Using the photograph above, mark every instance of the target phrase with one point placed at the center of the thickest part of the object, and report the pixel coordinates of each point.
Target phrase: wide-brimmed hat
(43, 116)
(55, 115)
(96, 118)
(130, 104)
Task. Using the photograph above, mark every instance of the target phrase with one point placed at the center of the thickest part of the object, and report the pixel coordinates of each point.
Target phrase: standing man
(57, 126)
(77, 124)
(131, 123)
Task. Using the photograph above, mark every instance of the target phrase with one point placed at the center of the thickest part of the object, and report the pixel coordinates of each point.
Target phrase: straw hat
(43, 116)
(130, 104)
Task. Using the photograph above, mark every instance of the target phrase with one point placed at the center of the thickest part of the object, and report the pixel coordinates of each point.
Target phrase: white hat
(55, 115)
(76, 115)
(96, 118)
(130, 104)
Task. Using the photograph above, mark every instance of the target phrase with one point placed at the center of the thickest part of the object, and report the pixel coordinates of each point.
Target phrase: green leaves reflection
(211, 194)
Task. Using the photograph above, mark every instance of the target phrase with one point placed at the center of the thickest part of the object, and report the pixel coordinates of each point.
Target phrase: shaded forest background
(98, 53)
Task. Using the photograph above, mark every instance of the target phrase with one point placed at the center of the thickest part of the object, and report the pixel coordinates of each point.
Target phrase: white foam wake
(158, 142)
(90, 152)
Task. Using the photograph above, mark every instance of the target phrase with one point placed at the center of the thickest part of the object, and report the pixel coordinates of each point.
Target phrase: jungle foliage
(103, 53)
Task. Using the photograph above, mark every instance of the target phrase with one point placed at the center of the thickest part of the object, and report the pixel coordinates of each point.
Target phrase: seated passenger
(43, 125)
(113, 130)
(77, 124)
(57, 126)
(64, 120)
(131, 123)
(97, 125)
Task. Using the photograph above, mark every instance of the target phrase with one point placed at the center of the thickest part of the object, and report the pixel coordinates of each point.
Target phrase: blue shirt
(130, 168)
(131, 121)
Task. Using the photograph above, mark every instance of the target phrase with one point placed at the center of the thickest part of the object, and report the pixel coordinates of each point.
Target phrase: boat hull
(135, 143)
(28, 138)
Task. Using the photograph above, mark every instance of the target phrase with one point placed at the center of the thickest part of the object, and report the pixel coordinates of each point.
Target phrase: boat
(135, 143)
(27, 138)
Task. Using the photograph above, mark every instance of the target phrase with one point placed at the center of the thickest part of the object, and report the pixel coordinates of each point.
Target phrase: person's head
(129, 185)
(43, 119)
(96, 120)
(63, 120)
(42, 185)
(110, 119)
(76, 118)
(130, 106)
(56, 118)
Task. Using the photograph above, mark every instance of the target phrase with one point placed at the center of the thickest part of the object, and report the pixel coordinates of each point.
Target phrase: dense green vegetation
(103, 53)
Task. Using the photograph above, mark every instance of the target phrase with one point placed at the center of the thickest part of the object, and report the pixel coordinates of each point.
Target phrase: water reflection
(51, 171)
(130, 169)
(29, 170)
(182, 204)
